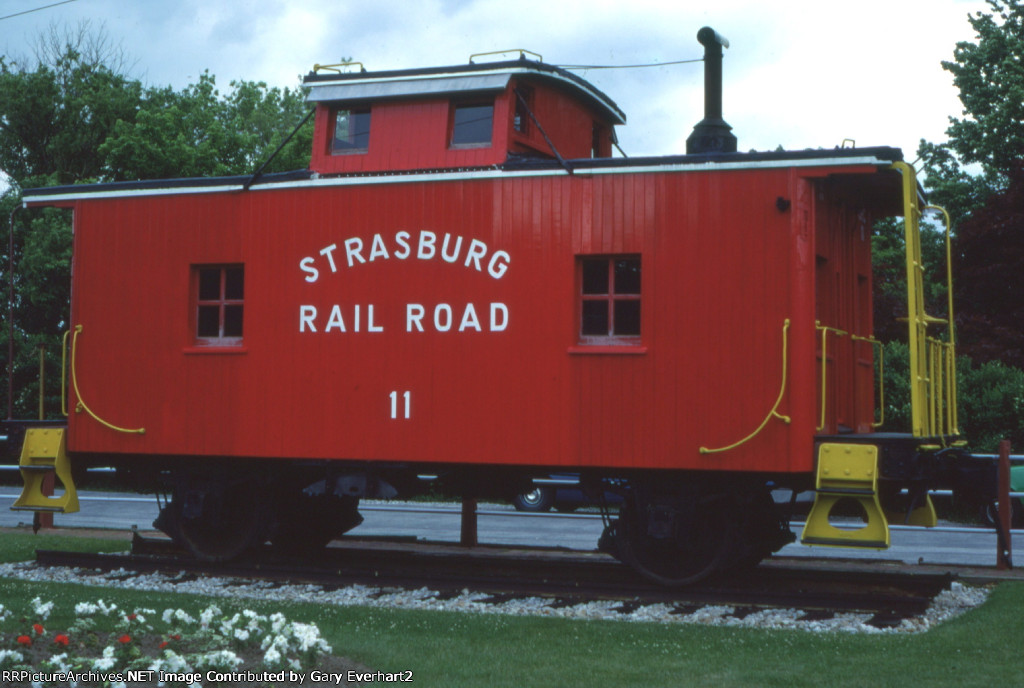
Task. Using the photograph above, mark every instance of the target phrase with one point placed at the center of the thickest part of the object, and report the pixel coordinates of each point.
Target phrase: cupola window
(351, 132)
(472, 124)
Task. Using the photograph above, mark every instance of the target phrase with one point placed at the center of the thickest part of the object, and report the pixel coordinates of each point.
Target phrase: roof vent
(712, 134)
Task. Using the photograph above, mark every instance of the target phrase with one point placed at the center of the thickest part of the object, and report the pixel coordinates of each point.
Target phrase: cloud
(798, 74)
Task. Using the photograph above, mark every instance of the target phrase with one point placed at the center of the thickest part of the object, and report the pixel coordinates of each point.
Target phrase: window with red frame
(219, 301)
(610, 300)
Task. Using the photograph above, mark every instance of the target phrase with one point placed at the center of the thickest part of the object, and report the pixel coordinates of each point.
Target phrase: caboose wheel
(674, 539)
(217, 521)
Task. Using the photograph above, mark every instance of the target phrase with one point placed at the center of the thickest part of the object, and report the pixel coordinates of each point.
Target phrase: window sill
(607, 349)
(215, 350)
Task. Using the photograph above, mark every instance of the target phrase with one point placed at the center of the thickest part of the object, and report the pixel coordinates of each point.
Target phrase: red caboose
(466, 284)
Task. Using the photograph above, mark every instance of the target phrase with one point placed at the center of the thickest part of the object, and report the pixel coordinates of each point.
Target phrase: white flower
(207, 616)
(41, 609)
(12, 656)
(222, 660)
(172, 663)
(179, 615)
(59, 663)
(86, 609)
(106, 662)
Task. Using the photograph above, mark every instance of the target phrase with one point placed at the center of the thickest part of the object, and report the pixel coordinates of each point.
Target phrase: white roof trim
(375, 89)
(457, 175)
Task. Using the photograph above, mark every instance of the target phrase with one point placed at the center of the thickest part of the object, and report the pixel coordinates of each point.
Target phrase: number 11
(406, 395)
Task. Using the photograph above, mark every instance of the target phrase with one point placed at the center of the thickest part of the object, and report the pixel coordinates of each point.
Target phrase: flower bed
(107, 646)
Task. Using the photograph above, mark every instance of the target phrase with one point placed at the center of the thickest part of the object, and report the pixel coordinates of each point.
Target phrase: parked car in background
(978, 492)
(562, 492)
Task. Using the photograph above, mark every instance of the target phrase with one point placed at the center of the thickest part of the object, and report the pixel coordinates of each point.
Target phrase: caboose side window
(609, 299)
(472, 124)
(351, 132)
(219, 302)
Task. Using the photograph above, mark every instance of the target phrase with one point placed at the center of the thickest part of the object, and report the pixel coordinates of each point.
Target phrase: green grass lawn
(980, 648)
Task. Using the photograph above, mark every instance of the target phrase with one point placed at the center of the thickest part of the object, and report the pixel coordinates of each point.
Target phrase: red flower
(163, 644)
(132, 617)
(38, 628)
(62, 639)
(24, 640)
(175, 637)
(125, 639)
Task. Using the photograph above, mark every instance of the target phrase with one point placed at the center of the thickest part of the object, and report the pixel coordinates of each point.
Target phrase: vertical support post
(1004, 555)
(10, 315)
(468, 536)
(42, 381)
(43, 519)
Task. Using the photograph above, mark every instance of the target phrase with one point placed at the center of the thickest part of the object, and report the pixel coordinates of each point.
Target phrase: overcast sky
(800, 74)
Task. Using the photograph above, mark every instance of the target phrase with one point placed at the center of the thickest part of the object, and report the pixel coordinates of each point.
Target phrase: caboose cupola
(475, 115)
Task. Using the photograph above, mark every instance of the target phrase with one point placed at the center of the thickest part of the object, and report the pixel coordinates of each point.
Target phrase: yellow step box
(44, 453)
(847, 472)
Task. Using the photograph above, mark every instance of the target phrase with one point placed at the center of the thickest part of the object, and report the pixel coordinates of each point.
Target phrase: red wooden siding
(722, 269)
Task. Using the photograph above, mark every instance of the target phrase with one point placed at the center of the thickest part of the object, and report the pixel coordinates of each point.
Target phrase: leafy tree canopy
(988, 139)
(989, 269)
(962, 174)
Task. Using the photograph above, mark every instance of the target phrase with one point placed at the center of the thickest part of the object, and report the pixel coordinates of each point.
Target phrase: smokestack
(712, 134)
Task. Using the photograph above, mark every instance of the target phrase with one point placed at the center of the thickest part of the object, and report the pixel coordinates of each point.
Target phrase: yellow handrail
(774, 412)
(949, 271)
(824, 365)
(81, 404)
(948, 348)
(881, 376)
(336, 67)
(64, 375)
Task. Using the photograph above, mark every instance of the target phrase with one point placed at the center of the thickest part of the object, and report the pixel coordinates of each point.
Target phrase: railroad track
(564, 577)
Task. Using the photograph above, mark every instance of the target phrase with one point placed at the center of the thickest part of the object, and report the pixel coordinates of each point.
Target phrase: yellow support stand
(45, 451)
(923, 516)
(847, 472)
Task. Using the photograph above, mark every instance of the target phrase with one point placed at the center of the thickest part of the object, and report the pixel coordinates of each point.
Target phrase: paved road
(500, 524)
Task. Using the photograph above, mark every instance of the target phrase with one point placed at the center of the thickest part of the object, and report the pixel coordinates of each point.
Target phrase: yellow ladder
(44, 453)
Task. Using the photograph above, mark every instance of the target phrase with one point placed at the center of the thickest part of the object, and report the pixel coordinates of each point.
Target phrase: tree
(989, 74)
(989, 268)
(977, 176)
(54, 117)
(198, 132)
(990, 77)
